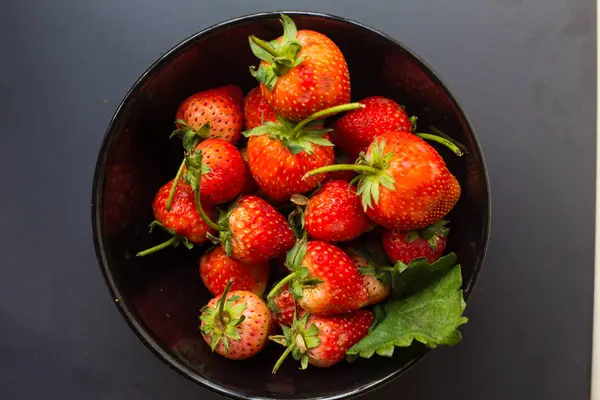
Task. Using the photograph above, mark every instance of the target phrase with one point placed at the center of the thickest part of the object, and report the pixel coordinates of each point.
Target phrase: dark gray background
(525, 73)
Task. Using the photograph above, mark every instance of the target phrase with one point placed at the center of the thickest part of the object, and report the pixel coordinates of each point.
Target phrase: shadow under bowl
(160, 296)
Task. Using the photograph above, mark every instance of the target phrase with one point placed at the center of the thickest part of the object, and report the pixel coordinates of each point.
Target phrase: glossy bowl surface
(160, 296)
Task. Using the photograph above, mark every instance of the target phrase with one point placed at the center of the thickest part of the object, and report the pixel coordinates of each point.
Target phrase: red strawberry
(355, 131)
(278, 171)
(182, 221)
(220, 108)
(324, 279)
(216, 270)
(301, 72)
(236, 324)
(285, 307)
(280, 153)
(376, 282)
(404, 183)
(225, 176)
(322, 341)
(253, 231)
(256, 109)
(334, 213)
(406, 246)
(250, 185)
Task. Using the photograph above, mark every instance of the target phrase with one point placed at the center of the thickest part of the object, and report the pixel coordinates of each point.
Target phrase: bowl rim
(98, 189)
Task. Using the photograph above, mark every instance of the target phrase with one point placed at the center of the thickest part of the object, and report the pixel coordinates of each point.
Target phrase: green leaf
(321, 141)
(419, 274)
(205, 169)
(312, 341)
(304, 362)
(265, 75)
(259, 130)
(364, 191)
(296, 148)
(375, 192)
(289, 28)
(430, 316)
(413, 122)
(227, 245)
(260, 52)
(214, 341)
(368, 271)
(295, 256)
(379, 314)
(296, 289)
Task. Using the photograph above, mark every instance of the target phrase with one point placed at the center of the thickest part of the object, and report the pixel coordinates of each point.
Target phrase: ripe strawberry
(182, 221)
(406, 246)
(220, 108)
(324, 279)
(285, 307)
(278, 171)
(280, 153)
(322, 341)
(404, 183)
(334, 213)
(216, 269)
(224, 178)
(355, 131)
(301, 72)
(250, 185)
(376, 280)
(256, 109)
(236, 324)
(253, 231)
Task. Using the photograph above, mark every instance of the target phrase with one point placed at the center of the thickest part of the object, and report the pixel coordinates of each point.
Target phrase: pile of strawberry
(357, 247)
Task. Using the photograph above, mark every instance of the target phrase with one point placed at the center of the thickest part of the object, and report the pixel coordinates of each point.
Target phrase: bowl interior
(160, 295)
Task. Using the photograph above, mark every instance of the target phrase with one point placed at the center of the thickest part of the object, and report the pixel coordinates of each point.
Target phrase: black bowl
(160, 296)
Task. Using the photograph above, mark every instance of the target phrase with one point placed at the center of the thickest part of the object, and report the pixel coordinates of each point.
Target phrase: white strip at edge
(595, 373)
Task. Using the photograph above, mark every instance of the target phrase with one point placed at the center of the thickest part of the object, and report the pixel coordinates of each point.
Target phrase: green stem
(342, 167)
(326, 112)
(441, 140)
(222, 301)
(203, 215)
(264, 45)
(158, 247)
(283, 357)
(279, 285)
(174, 186)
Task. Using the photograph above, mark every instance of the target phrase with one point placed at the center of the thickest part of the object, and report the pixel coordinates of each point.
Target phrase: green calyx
(220, 322)
(433, 233)
(222, 227)
(303, 135)
(174, 241)
(280, 55)
(300, 276)
(377, 262)
(190, 140)
(193, 175)
(373, 173)
(297, 339)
